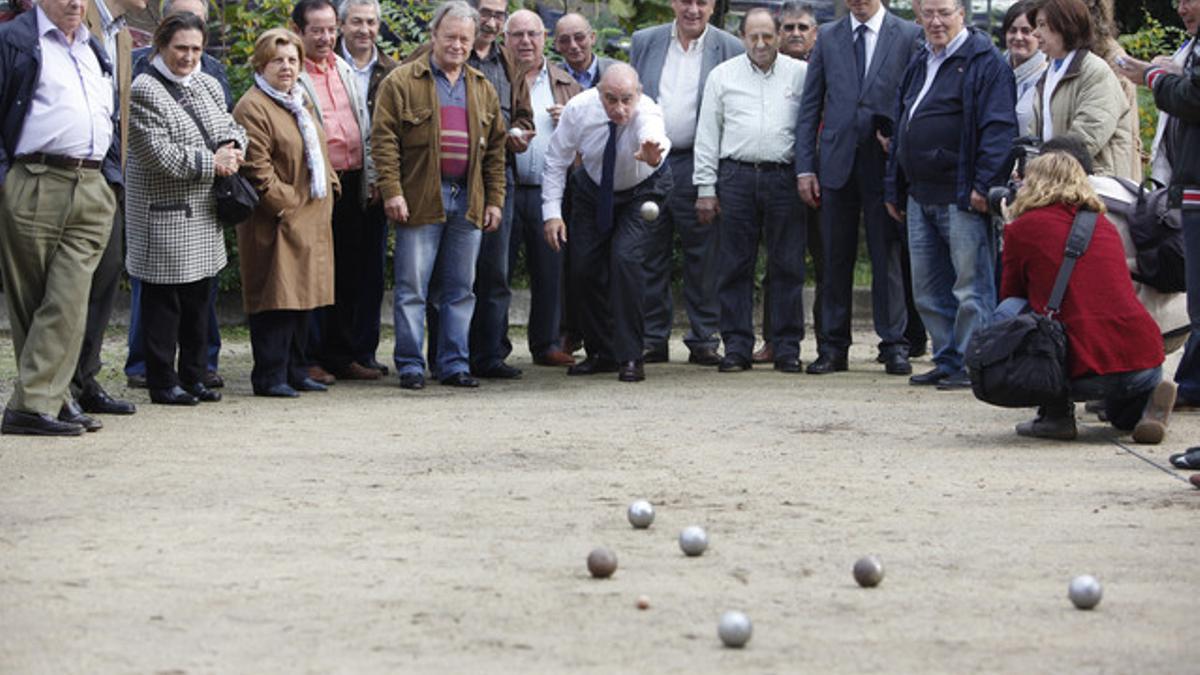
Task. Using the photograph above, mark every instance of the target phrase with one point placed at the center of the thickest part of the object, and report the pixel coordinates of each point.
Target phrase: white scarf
(294, 102)
(181, 80)
(1053, 77)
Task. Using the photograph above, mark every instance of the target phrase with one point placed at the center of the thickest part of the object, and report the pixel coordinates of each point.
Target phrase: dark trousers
(607, 266)
(135, 362)
(277, 341)
(753, 200)
(1187, 375)
(812, 246)
(175, 315)
(699, 248)
(568, 307)
(544, 264)
(349, 328)
(106, 281)
(840, 211)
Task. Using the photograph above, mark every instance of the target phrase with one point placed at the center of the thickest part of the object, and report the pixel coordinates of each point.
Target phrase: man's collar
(769, 71)
(675, 36)
(45, 25)
(329, 64)
(108, 16)
(874, 23)
(953, 46)
(354, 64)
(591, 70)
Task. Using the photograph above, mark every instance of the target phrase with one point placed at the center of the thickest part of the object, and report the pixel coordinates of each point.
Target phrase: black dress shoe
(928, 379)
(959, 380)
(631, 371)
(897, 364)
(203, 393)
(460, 379)
(136, 381)
(37, 424)
(789, 364)
(827, 364)
(71, 412)
(733, 363)
(412, 381)
(705, 356)
(592, 365)
(100, 403)
(500, 371)
(280, 390)
(374, 365)
(660, 354)
(308, 384)
(917, 351)
(212, 380)
(173, 396)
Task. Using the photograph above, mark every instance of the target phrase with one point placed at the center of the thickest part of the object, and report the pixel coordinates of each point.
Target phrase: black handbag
(1021, 362)
(236, 198)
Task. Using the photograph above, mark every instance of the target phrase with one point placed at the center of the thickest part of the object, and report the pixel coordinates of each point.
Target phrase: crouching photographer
(1114, 349)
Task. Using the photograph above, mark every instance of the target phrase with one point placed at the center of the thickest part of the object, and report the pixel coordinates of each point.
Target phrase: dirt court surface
(370, 530)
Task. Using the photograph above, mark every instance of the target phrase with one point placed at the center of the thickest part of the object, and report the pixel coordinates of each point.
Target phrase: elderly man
(574, 40)
(747, 135)
(797, 29)
(618, 134)
(673, 61)
(106, 20)
(955, 124)
(439, 141)
(135, 361)
(56, 204)
(359, 22)
(332, 86)
(550, 87)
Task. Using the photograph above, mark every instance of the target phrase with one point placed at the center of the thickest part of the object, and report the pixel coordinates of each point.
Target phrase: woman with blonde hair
(1114, 348)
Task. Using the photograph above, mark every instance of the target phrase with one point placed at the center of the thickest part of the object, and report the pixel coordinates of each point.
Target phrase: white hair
(344, 8)
(453, 9)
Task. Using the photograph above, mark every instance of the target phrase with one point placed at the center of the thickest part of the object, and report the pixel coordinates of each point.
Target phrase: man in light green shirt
(746, 138)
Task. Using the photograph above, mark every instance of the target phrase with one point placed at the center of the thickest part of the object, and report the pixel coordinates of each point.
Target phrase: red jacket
(1108, 330)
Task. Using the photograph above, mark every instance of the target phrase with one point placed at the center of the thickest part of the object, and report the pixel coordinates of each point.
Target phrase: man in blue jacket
(955, 125)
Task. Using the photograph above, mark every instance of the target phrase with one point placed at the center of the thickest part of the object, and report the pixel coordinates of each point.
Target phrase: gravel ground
(374, 530)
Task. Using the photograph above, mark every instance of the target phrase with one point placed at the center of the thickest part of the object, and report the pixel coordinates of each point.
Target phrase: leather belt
(59, 161)
(762, 166)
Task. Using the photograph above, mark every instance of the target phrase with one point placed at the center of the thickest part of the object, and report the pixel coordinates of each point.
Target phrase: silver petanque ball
(868, 571)
(649, 210)
(693, 540)
(516, 132)
(1085, 591)
(734, 629)
(641, 514)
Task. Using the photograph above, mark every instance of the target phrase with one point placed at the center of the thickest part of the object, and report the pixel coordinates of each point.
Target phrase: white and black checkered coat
(171, 227)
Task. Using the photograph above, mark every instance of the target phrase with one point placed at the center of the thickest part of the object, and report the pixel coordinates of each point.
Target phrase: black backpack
(1157, 235)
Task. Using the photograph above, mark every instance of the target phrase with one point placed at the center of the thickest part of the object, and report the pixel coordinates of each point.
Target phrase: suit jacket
(124, 71)
(171, 223)
(832, 85)
(350, 83)
(20, 70)
(649, 53)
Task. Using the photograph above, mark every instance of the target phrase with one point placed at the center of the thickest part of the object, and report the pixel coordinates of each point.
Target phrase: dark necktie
(860, 52)
(604, 211)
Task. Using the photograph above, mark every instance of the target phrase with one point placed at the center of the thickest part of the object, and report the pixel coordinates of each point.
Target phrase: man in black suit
(853, 75)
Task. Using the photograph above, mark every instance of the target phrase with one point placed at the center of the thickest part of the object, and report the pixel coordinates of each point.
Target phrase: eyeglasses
(567, 38)
(943, 14)
(489, 14)
(802, 27)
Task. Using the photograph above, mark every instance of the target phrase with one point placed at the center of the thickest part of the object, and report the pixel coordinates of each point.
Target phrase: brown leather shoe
(570, 343)
(764, 355)
(355, 371)
(321, 375)
(554, 357)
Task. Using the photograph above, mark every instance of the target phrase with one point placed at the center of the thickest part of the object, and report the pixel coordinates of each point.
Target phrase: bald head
(620, 90)
(574, 40)
(525, 35)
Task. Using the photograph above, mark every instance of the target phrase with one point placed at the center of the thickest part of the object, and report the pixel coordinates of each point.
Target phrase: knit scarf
(294, 102)
(1027, 73)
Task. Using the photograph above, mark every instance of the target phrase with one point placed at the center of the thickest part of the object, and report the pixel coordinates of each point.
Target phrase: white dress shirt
(583, 128)
(874, 24)
(679, 88)
(362, 76)
(72, 106)
(933, 63)
(531, 163)
(1160, 164)
(747, 115)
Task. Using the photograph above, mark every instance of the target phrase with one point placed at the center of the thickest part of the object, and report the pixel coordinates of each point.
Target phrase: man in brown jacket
(550, 87)
(438, 138)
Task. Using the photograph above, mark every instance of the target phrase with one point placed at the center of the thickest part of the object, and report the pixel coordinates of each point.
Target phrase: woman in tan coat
(1079, 94)
(286, 247)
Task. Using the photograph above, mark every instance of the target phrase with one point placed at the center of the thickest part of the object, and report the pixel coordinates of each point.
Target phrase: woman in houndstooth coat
(175, 242)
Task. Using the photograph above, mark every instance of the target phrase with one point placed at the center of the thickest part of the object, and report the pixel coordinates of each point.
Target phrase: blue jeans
(135, 363)
(953, 275)
(1187, 375)
(447, 252)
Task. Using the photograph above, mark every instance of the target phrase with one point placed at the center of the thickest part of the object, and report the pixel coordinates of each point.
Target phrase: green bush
(1153, 39)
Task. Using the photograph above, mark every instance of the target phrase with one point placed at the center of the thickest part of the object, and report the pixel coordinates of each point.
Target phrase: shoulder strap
(174, 90)
(1077, 242)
